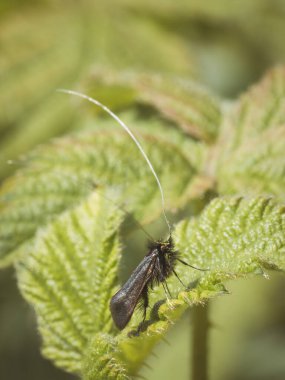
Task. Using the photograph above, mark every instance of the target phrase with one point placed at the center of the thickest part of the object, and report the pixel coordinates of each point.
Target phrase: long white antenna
(127, 129)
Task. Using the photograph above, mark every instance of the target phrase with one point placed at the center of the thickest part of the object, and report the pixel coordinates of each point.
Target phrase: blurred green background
(226, 45)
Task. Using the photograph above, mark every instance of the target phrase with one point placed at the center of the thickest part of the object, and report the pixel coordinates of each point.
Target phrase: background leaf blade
(61, 174)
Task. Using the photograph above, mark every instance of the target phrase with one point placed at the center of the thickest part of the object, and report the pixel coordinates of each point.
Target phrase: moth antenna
(130, 133)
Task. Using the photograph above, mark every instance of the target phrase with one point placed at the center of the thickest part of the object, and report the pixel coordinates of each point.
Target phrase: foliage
(48, 46)
(45, 44)
(63, 173)
(62, 231)
(60, 223)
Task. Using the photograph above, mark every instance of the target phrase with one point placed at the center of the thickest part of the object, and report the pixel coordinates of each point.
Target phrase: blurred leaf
(231, 43)
(57, 176)
(252, 143)
(46, 46)
(49, 46)
(218, 8)
(177, 99)
(259, 109)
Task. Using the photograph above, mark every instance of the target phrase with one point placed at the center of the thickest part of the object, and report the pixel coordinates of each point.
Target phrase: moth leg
(167, 288)
(167, 292)
(145, 301)
(162, 279)
(176, 275)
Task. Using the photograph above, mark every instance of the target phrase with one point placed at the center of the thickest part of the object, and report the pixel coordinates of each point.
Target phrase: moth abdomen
(123, 303)
(121, 309)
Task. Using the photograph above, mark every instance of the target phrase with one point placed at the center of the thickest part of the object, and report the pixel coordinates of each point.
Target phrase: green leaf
(233, 237)
(232, 234)
(252, 143)
(101, 360)
(69, 275)
(177, 99)
(57, 176)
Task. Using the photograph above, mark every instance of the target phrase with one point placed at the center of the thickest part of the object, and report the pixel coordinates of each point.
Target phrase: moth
(157, 265)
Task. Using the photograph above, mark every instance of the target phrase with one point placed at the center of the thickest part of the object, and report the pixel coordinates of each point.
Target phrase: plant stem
(200, 330)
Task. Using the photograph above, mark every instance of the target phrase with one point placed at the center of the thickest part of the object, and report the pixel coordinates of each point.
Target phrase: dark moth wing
(123, 303)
